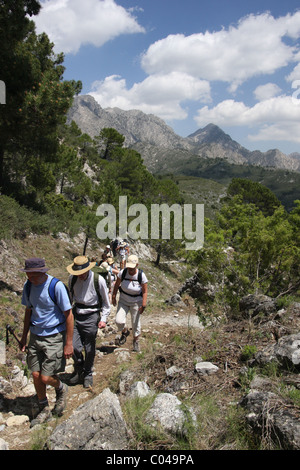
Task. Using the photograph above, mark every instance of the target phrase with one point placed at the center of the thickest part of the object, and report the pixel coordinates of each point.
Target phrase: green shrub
(248, 352)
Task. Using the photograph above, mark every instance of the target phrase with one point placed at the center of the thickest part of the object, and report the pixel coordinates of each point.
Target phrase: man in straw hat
(132, 283)
(49, 319)
(91, 309)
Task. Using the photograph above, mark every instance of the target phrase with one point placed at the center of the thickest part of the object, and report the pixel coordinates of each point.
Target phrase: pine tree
(37, 98)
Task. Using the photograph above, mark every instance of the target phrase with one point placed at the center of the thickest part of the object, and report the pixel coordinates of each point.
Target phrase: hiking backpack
(123, 276)
(114, 245)
(97, 271)
(51, 289)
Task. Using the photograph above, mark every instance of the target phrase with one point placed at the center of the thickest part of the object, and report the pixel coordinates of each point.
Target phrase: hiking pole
(10, 329)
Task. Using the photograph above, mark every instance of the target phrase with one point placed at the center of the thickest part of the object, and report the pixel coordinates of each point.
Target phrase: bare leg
(41, 381)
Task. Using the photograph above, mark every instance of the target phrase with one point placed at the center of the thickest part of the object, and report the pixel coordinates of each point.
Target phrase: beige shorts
(135, 317)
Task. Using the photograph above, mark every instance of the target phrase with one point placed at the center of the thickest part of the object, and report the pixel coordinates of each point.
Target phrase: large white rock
(206, 368)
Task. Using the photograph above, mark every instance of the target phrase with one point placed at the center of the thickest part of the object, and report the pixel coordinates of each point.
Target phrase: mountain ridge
(152, 137)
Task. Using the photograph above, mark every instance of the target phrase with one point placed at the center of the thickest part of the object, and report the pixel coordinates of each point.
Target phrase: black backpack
(140, 273)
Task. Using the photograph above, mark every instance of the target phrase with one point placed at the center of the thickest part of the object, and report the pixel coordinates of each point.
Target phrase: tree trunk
(62, 184)
(158, 250)
(1, 168)
(85, 244)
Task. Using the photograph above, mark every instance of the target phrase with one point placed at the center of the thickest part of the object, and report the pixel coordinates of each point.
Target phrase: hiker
(123, 251)
(114, 245)
(114, 271)
(48, 317)
(132, 283)
(108, 251)
(104, 257)
(90, 295)
(105, 272)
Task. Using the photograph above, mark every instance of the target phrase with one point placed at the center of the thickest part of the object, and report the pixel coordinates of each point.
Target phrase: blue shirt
(47, 318)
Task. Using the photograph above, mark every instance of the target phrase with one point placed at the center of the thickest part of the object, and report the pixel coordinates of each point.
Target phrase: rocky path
(20, 403)
(159, 330)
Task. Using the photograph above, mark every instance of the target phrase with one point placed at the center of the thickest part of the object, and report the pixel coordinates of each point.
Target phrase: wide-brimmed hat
(132, 261)
(103, 268)
(80, 265)
(110, 260)
(35, 265)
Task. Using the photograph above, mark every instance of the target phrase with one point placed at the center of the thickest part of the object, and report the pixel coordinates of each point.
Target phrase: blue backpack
(51, 289)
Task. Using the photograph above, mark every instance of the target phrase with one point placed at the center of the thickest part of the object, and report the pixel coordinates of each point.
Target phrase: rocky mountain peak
(210, 133)
(88, 102)
(152, 137)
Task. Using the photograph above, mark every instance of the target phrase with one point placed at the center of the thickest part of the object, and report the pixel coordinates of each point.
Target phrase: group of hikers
(63, 321)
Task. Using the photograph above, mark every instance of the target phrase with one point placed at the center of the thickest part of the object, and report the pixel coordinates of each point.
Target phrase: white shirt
(122, 252)
(131, 285)
(84, 292)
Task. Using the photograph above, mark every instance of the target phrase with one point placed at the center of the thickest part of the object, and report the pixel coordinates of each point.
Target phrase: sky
(232, 63)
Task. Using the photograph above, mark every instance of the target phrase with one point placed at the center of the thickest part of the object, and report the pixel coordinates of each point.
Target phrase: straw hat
(103, 268)
(80, 265)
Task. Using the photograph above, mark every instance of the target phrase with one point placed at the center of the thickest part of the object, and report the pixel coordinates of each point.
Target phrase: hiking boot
(136, 346)
(76, 377)
(88, 381)
(43, 416)
(123, 338)
(61, 400)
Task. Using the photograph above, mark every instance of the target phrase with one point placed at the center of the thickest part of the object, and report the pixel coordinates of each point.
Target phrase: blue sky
(235, 64)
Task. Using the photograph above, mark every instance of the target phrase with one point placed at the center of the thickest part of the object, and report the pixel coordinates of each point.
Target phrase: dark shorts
(46, 354)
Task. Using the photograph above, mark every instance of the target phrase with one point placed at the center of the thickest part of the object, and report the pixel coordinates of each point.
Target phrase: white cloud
(254, 47)
(267, 91)
(73, 23)
(181, 69)
(277, 118)
(295, 74)
(161, 95)
(281, 131)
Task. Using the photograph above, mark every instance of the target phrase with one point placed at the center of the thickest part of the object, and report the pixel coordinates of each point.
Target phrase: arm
(109, 283)
(71, 287)
(25, 328)
(105, 302)
(116, 287)
(68, 348)
(145, 293)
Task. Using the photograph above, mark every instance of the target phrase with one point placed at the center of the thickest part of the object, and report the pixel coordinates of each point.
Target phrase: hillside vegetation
(284, 184)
